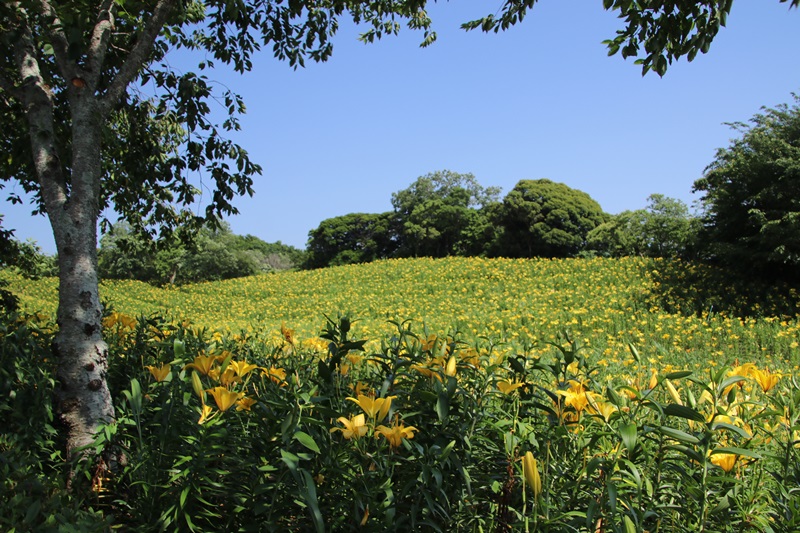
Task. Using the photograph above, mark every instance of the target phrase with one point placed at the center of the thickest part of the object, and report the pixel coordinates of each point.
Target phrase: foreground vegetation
(572, 395)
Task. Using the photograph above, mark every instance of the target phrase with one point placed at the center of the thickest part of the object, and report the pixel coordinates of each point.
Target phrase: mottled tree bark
(71, 194)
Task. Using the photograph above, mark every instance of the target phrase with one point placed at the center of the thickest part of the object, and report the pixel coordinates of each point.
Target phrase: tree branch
(37, 100)
(55, 30)
(98, 46)
(138, 55)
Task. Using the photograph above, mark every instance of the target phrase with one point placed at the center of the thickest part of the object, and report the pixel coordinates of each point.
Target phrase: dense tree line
(749, 219)
(446, 213)
(214, 253)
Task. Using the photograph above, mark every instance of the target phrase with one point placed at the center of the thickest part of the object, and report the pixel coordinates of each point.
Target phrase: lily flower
(765, 379)
(224, 398)
(673, 392)
(241, 368)
(202, 363)
(354, 427)
(725, 461)
(277, 375)
(601, 408)
(507, 387)
(197, 385)
(245, 403)
(530, 471)
(575, 396)
(205, 413)
(161, 372)
(229, 377)
(396, 433)
(376, 408)
(450, 369)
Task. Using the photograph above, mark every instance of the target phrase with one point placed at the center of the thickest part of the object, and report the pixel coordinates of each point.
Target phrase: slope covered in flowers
(607, 303)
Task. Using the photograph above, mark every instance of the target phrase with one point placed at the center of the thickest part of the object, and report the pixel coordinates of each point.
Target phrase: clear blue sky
(542, 100)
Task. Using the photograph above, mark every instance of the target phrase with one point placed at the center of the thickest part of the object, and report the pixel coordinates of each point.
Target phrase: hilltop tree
(541, 218)
(80, 137)
(439, 211)
(351, 238)
(751, 199)
(665, 228)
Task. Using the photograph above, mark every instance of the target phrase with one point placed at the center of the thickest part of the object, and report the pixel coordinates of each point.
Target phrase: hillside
(607, 303)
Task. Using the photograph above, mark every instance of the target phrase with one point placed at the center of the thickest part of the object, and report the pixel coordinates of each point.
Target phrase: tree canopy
(542, 218)
(441, 214)
(750, 194)
(654, 32)
(665, 228)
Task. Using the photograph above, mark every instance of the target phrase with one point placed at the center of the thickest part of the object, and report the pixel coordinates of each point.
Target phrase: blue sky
(542, 100)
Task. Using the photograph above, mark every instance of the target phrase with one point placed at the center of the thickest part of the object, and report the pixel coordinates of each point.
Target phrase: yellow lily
(161, 372)
(197, 385)
(575, 396)
(604, 409)
(376, 408)
(241, 367)
(396, 433)
(653, 380)
(277, 375)
(202, 363)
(507, 387)
(229, 377)
(354, 427)
(245, 403)
(530, 471)
(725, 461)
(224, 398)
(765, 379)
(673, 392)
(450, 369)
(205, 413)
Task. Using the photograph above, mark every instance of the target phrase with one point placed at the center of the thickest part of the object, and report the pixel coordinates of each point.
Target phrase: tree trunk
(72, 205)
(84, 401)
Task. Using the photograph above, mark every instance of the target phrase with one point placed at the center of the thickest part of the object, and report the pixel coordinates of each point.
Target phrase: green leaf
(290, 459)
(738, 451)
(634, 352)
(679, 374)
(630, 527)
(628, 433)
(731, 428)
(446, 452)
(728, 382)
(682, 411)
(306, 440)
(184, 494)
(677, 434)
(311, 500)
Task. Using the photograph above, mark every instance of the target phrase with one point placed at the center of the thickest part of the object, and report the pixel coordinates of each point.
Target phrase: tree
(751, 199)
(541, 218)
(80, 137)
(352, 238)
(214, 253)
(621, 235)
(666, 30)
(438, 210)
(665, 228)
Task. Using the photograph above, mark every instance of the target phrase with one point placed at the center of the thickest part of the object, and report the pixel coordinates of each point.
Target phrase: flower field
(607, 303)
(593, 395)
